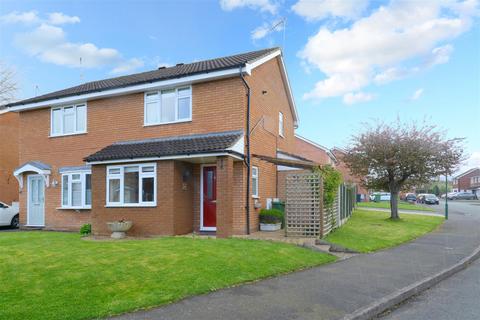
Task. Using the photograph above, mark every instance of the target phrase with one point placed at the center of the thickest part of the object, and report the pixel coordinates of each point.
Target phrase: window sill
(281, 136)
(74, 208)
(164, 123)
(67, 135)
(255, 197)
(130, 206)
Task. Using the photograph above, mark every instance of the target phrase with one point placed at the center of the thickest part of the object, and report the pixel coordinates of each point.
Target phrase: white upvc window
(168, 106)
(281, 129)
(255, 182)
(132, 185)
(68, 120)
(77, 190)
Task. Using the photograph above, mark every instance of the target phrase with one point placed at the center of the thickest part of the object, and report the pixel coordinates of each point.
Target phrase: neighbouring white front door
(36, 201)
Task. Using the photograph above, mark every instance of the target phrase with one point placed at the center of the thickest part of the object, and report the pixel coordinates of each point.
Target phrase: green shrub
(86, 229)
(332, 179)
(271, 216)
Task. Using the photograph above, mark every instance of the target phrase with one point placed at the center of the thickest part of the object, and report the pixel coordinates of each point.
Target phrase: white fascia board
(130, 89)
(201, 155)
(291, 99)
(250, 66)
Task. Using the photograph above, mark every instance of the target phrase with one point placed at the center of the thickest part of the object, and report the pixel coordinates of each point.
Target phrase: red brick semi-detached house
(174, 150)
(8, 156)
(468, 181)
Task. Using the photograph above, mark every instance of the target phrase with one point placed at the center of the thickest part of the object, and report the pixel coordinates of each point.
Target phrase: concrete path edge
(403, 294)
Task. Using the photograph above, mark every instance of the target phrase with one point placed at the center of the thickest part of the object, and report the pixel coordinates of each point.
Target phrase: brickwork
(8, 156)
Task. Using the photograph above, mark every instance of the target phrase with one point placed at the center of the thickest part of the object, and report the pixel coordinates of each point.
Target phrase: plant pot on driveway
(270, 226)
(119, 228)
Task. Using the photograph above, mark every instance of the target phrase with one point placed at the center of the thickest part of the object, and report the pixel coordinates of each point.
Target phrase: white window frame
(255, 180)
(75, 106)
(83, 183)
(121, 177)
(159, 105)
(281, 128)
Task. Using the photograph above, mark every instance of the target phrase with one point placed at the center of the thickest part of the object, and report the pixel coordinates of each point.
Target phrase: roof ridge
(177, 71)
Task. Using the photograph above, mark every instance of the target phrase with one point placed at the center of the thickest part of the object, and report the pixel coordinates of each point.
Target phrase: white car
(384, 196)
(9, 215)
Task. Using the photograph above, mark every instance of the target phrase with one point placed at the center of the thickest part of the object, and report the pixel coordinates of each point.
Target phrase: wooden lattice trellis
(304, 205)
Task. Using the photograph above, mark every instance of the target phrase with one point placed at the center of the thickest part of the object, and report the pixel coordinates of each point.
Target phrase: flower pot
(119, 228)
(270, 226)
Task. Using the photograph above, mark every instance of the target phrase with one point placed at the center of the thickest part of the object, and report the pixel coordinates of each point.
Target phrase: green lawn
(50, 275)
(368, 231)
(402, 205)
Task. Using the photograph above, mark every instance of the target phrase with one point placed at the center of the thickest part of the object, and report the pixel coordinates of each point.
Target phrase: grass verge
(368, 231)
(50, 275)
(402, 205)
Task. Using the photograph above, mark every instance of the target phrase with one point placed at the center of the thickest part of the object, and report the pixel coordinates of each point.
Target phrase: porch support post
(224, 197)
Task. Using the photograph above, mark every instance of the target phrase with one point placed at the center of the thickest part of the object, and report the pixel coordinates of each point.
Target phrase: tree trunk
(394, 205)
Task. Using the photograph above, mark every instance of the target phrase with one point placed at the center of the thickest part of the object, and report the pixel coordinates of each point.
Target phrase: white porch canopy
(33, 166)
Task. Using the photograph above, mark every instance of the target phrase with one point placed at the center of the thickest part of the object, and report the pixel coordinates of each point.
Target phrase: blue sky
(349, 61)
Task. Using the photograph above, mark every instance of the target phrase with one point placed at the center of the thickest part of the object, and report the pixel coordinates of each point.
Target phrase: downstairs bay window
(77, 190)
(132, 185)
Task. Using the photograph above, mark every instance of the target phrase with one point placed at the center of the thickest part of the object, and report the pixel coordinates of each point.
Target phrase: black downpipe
(247, 157)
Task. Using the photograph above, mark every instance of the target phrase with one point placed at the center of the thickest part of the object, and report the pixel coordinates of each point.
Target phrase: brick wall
(311, 152)
(8, 156)
(172, 215)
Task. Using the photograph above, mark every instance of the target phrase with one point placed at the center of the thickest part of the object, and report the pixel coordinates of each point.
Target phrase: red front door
(209, 198)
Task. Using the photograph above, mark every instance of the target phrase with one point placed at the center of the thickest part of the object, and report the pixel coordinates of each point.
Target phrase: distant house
(193, 147)
(9, 122)
(313, 151)
(468, 181)
(362, 192)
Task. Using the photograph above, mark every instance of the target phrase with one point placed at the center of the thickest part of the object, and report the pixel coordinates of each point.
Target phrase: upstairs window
(281, 129)
(168, 106)
(77, 190)
(69, 120)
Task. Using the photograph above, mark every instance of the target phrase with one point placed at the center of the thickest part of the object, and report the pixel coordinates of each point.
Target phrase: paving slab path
(335, 290)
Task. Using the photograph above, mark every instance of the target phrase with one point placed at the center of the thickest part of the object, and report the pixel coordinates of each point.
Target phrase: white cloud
(440, 55)
(417, 94)
(352, 98)
(262, 5)
(321, 9)
(49, 44)
(29, 17)
(128, 66)
(375, 48)
(58, 18)
(474, 160)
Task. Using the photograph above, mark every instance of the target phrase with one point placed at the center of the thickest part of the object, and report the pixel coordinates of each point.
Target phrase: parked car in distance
(421, 198)
(431, 199)
(462, 196)
(9, 215)
(380, 196)
(410, 197)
